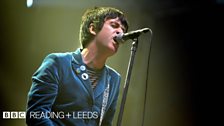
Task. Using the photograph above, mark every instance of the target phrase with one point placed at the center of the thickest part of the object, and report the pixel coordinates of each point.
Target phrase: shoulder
(58, 57)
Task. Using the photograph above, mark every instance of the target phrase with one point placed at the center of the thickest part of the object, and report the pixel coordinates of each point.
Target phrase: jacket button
(82, 68)
(85, 76)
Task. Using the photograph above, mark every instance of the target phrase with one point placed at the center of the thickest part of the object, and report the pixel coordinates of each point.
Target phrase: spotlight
(29, 3)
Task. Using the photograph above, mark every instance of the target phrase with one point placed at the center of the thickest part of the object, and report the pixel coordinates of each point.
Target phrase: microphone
(122, 37)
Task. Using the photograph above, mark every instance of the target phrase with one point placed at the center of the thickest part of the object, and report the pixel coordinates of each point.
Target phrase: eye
(114, 25)
(123, 29)
(117, 25)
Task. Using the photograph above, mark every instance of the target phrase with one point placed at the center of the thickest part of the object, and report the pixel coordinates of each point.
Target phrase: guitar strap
(104, 103)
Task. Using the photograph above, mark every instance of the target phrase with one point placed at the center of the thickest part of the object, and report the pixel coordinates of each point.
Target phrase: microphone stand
(127, 80)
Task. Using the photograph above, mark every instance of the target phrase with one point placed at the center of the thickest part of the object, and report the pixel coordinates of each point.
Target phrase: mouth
(114, 41)
(115, 44)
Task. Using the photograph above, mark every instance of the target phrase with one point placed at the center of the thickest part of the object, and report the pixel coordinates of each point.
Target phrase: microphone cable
(147, 77)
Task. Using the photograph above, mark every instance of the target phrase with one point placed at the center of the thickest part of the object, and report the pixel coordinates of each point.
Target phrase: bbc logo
(14, 115)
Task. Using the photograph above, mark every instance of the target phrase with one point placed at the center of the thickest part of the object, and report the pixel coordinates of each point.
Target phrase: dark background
(185, 61)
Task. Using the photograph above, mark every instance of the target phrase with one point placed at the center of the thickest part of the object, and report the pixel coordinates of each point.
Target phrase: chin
(112, 51)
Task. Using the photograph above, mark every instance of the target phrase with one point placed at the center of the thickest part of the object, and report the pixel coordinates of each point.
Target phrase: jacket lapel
(77, 63)
(102, 83)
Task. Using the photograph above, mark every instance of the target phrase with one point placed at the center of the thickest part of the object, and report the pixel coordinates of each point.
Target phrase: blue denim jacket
(61, 93)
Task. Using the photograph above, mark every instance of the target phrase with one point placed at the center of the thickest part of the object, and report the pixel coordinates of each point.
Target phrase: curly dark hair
(97, 16)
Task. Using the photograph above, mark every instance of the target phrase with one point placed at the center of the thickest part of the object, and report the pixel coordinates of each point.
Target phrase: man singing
(78, 85)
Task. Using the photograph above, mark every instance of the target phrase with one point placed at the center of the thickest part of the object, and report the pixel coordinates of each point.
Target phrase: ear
(92, 29)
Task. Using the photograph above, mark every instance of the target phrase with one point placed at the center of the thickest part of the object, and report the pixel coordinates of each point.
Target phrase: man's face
(105, 36)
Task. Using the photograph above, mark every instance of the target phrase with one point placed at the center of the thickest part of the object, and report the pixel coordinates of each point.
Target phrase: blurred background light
(29, 3)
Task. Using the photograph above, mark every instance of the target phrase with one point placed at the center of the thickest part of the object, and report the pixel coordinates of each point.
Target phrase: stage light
(29, 3)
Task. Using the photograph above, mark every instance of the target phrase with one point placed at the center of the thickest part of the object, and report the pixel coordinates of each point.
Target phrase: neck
(93, 58)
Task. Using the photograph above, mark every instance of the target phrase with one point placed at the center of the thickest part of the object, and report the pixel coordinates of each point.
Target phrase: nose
(119, 30)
